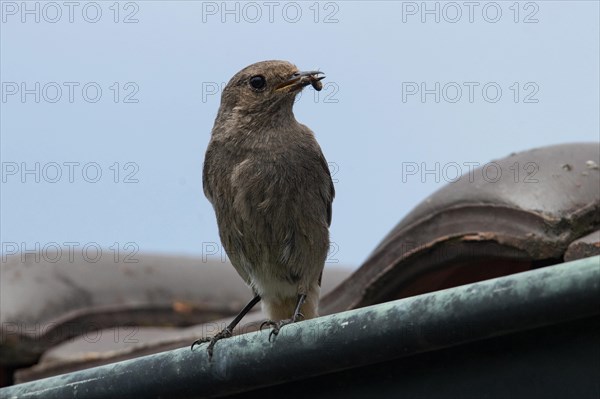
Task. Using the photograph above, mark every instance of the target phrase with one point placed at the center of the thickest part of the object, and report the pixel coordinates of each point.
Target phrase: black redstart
(271, 190)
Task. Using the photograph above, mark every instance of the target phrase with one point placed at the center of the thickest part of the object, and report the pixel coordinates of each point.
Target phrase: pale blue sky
(368, 119)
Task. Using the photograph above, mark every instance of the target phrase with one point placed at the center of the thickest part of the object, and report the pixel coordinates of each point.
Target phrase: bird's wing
(230, 221)
(206, 172)
(329, 192)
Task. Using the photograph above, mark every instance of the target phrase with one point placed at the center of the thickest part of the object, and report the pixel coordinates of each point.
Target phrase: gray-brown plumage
(271, 190)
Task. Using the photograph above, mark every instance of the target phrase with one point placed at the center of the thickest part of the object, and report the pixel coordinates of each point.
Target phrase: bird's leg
(228, 331)
(276, 326)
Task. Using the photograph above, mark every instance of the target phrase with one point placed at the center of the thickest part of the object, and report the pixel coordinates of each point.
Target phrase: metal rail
(344, 340)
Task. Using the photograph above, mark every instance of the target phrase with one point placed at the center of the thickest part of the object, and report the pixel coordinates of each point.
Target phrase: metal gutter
(391, 330)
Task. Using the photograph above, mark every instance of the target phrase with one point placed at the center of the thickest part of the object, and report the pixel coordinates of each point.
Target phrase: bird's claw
(270, 323)
(199, 341)
(276, 326)
(226, 333)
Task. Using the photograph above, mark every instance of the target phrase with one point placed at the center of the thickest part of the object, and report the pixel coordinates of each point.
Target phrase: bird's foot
(226, 333)
(274, 325)
(277, 325)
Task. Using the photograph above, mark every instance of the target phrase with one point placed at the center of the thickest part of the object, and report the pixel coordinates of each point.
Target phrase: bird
(271, 189)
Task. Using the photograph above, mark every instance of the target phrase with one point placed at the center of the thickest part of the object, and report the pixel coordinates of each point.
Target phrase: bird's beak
(299, 80)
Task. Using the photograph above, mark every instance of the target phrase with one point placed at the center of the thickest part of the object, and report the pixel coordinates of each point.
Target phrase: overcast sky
(107, 107)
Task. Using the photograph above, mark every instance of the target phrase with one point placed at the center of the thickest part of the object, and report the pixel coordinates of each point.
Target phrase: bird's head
(266, 87)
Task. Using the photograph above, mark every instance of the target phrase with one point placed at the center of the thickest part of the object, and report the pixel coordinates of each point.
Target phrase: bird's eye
(258, 82)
